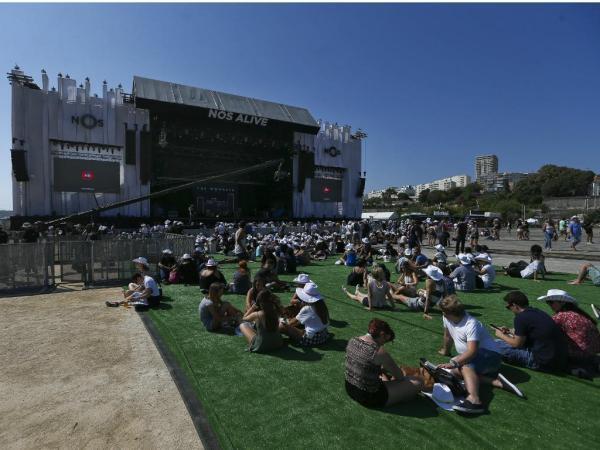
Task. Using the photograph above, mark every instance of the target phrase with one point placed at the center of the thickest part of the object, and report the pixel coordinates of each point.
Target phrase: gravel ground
(76, 374)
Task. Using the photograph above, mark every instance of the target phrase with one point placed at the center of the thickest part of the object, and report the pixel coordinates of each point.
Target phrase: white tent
(388, 215)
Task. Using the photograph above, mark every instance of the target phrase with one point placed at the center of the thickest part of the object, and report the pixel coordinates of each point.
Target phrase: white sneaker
(595, 311)
(511, 387)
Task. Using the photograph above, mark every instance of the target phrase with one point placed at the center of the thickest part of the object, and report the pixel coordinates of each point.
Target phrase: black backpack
(442, 376)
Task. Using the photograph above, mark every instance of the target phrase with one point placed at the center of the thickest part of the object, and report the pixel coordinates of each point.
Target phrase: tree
(423, 196)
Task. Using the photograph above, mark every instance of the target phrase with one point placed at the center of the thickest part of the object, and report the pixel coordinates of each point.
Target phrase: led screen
(325, 190)
(84, 175)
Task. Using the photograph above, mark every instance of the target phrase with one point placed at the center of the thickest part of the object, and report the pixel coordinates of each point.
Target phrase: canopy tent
(389, 215)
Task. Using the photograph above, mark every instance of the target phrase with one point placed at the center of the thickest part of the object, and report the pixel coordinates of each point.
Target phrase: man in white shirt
(478, 358)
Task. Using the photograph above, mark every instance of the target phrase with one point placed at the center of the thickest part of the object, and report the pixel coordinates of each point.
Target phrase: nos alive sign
(236, 117)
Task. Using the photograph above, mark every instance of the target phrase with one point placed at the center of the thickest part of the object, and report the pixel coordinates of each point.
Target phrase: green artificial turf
(295, 398)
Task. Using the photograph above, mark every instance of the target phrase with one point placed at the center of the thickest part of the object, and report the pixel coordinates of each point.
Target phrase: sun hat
(408, 252)
(433, 272)
(484, 257)
(365, 240)
(464, 259)
(442, 396)
(403, 240)
(440, 248)
(349, 247)
(141, 260)
(309, 293)
(402, 262)
(26, 225)
(302, 278)
(557, 295)
(199, 250)
(166, 250)
(186, 256)
(211, 263)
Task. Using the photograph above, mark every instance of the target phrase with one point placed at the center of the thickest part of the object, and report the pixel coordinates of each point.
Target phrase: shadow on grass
(336, 345)
(297, 354)
(514, 374)
(496, 288)
(338, 323)
(421, 408)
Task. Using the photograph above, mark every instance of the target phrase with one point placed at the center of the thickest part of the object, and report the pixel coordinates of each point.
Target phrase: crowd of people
(567, 341)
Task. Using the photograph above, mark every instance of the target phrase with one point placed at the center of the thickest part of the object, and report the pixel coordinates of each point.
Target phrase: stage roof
(164, 91)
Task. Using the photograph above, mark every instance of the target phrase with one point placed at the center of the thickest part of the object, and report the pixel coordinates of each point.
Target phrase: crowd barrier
(42, 265)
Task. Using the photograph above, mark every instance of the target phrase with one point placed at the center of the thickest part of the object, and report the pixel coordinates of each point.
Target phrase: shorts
(486, 362)
(365, 302)
(314, 340)
(594, 274)
(375, 399)
(416, 303)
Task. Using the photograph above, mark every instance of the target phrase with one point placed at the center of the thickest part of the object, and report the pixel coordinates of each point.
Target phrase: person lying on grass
(590, 271)
(532, 270)
(478, 360)
(435, 289)
(536, 342)
(215, 314)
(583, 337)
(261, 323)
(367, 366)
(379, 292)
(314, 315)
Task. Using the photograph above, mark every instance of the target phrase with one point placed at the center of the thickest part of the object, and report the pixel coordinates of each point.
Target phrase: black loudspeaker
(19, 165)
(145, 157)
(361, 187)
(130, 147)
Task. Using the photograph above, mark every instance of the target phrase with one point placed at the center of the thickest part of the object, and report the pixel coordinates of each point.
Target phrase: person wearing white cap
(479, 358)
(366, 359)
(166, 263)
(314, 315)
(464, 276)
(435, 290)
(581, 330)
(188, 270)
(349, 257)
(143, 289)
(379, 292)
(211, 274)
(485, 271)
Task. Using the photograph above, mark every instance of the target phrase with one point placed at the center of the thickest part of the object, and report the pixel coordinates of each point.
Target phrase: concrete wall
(570, 203)
(41, 118)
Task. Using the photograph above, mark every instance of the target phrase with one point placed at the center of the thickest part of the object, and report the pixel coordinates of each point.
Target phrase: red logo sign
(326, 189)
(87, 175)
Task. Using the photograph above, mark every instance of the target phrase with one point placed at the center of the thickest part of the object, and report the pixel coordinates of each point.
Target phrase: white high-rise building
(485, 165)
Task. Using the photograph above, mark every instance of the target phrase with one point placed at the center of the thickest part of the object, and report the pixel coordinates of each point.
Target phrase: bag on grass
(443, 376)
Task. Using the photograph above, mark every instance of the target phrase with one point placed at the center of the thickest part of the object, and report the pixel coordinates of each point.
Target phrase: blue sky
(433, 85)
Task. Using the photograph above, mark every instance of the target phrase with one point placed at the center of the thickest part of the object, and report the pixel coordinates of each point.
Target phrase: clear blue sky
(433, 85)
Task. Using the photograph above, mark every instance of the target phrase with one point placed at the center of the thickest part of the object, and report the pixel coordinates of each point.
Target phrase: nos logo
(87, 121)
(87, 175)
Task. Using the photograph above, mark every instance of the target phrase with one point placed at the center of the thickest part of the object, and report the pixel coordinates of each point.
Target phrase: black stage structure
(196, 132)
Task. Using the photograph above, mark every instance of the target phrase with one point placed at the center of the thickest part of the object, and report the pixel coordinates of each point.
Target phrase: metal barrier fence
(40, 265)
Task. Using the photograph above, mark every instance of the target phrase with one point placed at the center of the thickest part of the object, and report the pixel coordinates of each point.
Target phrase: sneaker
(595, 311)
(510, 386)
(465, 406)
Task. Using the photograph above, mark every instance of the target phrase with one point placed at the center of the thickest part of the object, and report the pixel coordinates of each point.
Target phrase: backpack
(444, 377)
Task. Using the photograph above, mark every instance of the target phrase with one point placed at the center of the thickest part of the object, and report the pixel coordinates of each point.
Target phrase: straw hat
(440, 248)
(309, 293)
(211, 263)
(302, 278)
(433, 272)
(167, 251)
(408, 252)
(484, 257)
(442, 396)
(464, 259)
(186, 256)
(141, 260)
(557, 295)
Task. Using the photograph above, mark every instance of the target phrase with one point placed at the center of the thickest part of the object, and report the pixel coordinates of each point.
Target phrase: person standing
(461, 237)
(549, 232)
(240, 250)
(575, 232)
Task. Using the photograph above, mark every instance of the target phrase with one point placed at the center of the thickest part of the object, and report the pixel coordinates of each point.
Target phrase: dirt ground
(76, 374)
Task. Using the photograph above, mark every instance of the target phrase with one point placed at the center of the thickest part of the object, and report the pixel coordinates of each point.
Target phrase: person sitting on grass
(314, 315)
(464, 276)
(478, 360)
(408, 279)
(358, 276)
(372, 377)
(583, 337)
(166, 263)
(142, 291)
(349, 258)
(215, 314)
(261, 324)
(258, 284)
(590, 271)
(188, 270)
(536, 342)
(532, 270)
(426, 299)
(485, 271)
(241, 279)
(211, 274)
(379, 292)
